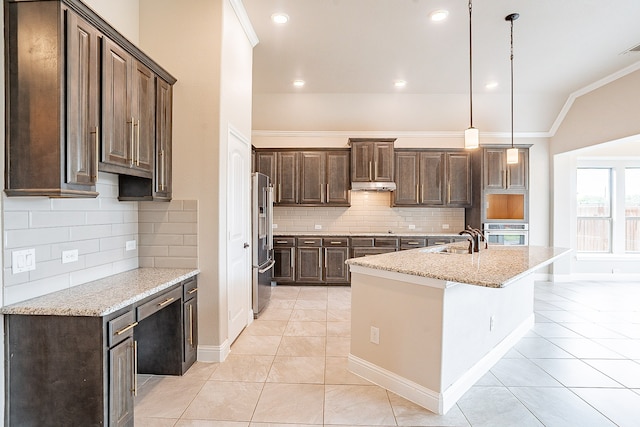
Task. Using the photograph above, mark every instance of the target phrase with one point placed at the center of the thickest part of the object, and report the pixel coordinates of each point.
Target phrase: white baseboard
(434, 401)
(213, 353)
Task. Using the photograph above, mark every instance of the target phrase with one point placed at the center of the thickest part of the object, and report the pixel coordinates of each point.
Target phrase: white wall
(201, 43)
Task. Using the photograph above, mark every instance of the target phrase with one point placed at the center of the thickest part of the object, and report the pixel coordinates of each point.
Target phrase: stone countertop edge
(103, 296)
(364, 234)
(496, 267)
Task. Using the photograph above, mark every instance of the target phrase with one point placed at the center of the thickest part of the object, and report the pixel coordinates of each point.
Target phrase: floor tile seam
(526, 406)
(191, 402)
(592, 406)
(395, 419)
(588, 365)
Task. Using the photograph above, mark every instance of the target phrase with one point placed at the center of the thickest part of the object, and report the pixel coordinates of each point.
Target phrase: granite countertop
(495, 267)
(103, 296)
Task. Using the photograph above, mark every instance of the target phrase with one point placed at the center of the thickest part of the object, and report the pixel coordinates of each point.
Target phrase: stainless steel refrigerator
(262, 240)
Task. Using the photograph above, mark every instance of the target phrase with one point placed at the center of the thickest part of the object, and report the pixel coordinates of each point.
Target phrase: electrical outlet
(274, 226)
(24, 260)
(412, 226)
(130, 245)
(375, 335)
(318, 227)
(445, 226)
(69, 256)
(492, 322)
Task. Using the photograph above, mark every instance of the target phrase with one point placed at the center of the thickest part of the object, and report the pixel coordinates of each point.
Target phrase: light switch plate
(445, 226)
(131, 245)
(69, 256)
(24, 260)
(318, 227)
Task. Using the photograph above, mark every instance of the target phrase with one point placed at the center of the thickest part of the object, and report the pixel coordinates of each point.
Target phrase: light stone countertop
(364, 234)
(495, 267)
(104, 296)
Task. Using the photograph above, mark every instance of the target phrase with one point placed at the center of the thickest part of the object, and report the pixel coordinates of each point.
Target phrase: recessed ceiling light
(399, 83)
(491, 85)
(439, 15)
(280, 18)
(298, 83)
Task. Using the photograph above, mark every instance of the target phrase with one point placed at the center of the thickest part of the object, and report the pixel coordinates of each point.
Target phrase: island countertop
(104, 296)
(495, 267)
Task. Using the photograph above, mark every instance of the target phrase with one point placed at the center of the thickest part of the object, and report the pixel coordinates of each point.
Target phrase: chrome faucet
(471, 239)
(477, 235)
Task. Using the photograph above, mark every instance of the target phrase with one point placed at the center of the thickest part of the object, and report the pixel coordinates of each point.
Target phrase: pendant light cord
(470, 71)
(511, 58)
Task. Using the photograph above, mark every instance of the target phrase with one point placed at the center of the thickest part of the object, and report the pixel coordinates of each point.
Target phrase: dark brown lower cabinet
(283, 269)
(335, 270)
(309, 265)
(81, 370)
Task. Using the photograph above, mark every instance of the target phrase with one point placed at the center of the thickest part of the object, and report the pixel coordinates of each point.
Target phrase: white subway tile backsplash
(105, 217)
(56, 219)
(26, 204)
(104, 257)
(71, 205)
(89, 232)
(160, 239)
(369, 212)
(184, 216)
(30, 237)
(16, 220)
(175, 262)
(89, 274)
(36, 288)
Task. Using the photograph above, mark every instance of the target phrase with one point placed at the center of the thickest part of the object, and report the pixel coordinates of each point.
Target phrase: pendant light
(471, 135)
(512, 153)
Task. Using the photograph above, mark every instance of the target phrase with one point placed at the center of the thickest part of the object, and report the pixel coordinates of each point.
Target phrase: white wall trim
(436, 402)
(245, 22)
(589, 88)
(214, 353)
(389, 134)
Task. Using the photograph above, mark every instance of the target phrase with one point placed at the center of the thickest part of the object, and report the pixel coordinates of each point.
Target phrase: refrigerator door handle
(268, 267)
(269, 218)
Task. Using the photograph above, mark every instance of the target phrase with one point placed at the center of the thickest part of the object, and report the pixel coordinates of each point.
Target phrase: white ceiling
(362, 46)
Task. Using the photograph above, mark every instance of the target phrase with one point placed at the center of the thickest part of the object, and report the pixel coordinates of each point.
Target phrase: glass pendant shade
(471, 138)
(512, 156)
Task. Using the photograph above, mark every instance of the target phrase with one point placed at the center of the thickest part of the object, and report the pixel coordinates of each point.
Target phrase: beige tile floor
(579, 366)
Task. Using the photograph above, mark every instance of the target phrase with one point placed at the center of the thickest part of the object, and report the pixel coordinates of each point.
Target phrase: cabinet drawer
(284, 241)
(335, 241)
(365, 242)
(158, 303)
(386, 242)
(121, 327)
(189, 289)
(309, 241)
(437, 241)
(413, 242)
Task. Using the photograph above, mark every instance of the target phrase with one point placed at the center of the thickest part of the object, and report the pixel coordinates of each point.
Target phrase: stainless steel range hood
(373, 186)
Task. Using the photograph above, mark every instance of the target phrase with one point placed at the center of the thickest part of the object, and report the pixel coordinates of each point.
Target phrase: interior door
(239, 233)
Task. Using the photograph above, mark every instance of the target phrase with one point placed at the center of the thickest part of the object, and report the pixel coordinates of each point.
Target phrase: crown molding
(590, 88)
(245, 22)
(389, 134)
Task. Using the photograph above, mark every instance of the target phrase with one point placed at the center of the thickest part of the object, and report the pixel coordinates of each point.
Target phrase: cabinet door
(162, 174)
(361, 161)
(494, 170)
(432, 178)
(407, 186)
(266, 164)
(283, 268)
(383, 161)
(335, 270)
(312, 174)
(287, 178)
(338, 178)
(190, 325)
(143, 114)
(459, 179)
(518, 174)
(117, 126)
(309, 265)
(83, 97)
(121, 383)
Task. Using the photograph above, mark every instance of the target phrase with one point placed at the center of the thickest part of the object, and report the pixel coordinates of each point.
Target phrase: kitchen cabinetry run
(81, 370)
(81, 98)
(363, 246)
(336, 252)
(371, 160)
(307, 178)
(309, 261)
(432, 178)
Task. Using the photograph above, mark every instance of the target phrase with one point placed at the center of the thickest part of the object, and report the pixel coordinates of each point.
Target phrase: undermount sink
(448, 250)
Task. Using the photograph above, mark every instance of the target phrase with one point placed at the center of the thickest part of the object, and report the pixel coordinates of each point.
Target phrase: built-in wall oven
(516, 234)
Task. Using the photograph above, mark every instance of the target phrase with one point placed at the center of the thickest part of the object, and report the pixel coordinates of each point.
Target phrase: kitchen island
(428, 323)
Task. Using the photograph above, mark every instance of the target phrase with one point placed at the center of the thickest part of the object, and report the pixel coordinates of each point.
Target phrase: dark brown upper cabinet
(80, 98)
(52, 101)
(371, 160)
(432, 178)
(499, 175)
